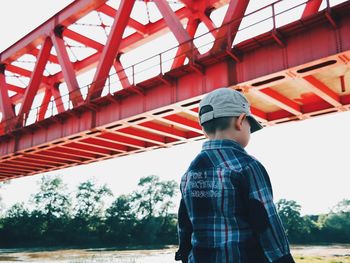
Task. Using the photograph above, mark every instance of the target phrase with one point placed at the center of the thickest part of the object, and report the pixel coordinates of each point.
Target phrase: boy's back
(226, 212)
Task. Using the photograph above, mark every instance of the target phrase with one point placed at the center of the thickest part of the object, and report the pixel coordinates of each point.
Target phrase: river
(341, 252)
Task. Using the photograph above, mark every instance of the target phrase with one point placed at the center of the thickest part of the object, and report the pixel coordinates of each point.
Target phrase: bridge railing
(262, 20)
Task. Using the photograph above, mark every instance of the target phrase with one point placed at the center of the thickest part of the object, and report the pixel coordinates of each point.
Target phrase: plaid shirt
(226, 213)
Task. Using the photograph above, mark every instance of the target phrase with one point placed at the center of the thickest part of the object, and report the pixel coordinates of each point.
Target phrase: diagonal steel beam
(65, 17)
(279, 100)
(23, 72)
(16, 89)
(127, 44)
(52, 58)
(55, 92)
(174, 24)
(123, 78)
(35, 80)
(311, 8)
(44, 104)
(82, 39)
(111, 12)
(68, 70)
(208, 23)
(321, 90)
(6, 107)
(111, 49)
(180, 56)
(17, 98)
(230, 25)
(57, 97)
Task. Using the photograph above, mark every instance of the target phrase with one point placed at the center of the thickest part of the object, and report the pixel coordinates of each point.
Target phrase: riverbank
(303, 254)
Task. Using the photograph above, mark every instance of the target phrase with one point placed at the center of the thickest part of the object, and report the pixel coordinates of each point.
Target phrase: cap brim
(254, 124)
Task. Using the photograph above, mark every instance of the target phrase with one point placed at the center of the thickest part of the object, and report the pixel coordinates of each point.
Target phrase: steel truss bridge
(72, 93)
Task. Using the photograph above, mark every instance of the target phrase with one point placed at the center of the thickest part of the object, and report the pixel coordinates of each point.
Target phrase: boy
(226, 213)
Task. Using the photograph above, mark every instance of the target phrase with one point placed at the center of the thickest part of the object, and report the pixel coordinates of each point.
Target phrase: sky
(307, 160)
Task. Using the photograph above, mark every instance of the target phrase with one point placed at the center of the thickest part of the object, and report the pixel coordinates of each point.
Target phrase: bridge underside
(294, 73)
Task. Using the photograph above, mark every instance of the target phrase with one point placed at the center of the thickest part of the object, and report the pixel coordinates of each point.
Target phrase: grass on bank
(318, 259)
(126, 256)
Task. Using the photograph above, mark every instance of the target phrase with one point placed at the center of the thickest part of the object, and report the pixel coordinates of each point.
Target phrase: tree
(342, 207)
(52, 209)
(152, 200)
(143, 217)
(154, 197)
(289, 212)
(1, 204)
(16, 226)
(87, 226)
(336, 225)
(90, 199)
(120, 221)
(121, 209)
(53, 199)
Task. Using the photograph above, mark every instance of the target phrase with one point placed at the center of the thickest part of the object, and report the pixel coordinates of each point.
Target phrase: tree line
(143, 217)
(57, 219)
(333, 227)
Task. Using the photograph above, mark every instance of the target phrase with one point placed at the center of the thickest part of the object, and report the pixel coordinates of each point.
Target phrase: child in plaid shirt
(226, 212)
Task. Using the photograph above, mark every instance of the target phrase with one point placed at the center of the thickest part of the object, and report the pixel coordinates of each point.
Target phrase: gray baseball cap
(226, 102)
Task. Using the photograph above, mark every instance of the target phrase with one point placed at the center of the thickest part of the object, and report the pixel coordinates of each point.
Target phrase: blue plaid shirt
(226, 213)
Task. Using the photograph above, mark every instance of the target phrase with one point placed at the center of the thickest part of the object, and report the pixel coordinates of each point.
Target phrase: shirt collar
(219, 144)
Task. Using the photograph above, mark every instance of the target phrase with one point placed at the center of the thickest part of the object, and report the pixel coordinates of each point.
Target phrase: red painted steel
(311, 8)
(110, 11)
(175, 25)
(82, 39)
(121, 73)
(57, 97)
(285, 79)
(35, 81)
(323, 91)
(276, 98)
(111, 48)
(44, 105)
(180, 56)
(232, 20)
(5, 103)
(67, 69)
(65, 17)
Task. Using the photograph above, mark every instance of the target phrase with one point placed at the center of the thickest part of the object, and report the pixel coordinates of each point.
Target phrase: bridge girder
(284, 78)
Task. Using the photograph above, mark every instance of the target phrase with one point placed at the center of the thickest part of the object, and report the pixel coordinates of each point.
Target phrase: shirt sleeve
(184, 233)
(263, 216)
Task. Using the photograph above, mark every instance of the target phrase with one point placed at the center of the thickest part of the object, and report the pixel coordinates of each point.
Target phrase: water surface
(138, 256)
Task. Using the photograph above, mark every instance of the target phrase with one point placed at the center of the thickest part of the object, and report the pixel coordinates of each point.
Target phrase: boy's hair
(218, 124)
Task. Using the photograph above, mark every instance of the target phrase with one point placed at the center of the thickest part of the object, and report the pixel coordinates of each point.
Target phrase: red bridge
(98, 99)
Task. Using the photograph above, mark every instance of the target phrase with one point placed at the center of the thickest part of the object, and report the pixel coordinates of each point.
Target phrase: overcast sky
(308, 161)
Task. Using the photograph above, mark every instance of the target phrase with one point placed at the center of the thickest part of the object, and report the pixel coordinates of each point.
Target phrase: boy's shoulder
(236, 161)
(240, 163)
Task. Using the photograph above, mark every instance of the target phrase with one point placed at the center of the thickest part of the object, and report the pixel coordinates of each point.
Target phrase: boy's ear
(239, 121)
